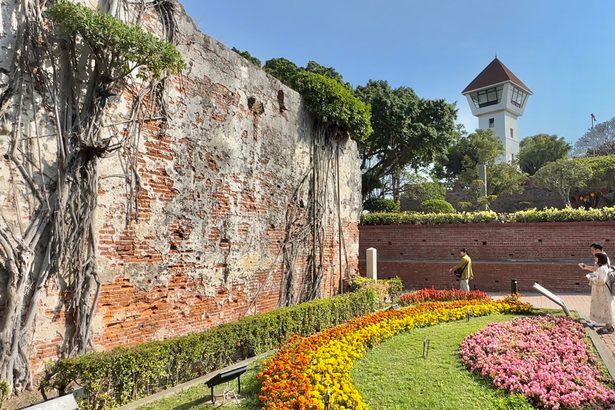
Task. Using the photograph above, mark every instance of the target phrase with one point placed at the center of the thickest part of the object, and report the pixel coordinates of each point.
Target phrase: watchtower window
(485, 98)
(518, 97)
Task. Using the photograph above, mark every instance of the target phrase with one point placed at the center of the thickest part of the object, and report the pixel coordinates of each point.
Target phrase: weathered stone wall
(220, 210)
(545, 252)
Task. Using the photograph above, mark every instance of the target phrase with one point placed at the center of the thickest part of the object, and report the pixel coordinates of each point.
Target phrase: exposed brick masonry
(546, 253)
(220, 185)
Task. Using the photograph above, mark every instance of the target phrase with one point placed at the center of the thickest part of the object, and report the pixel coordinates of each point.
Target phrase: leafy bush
(381, 205)
(396, 287)
(388, 290)
(121, 375)
(438, 206)
(529, 215)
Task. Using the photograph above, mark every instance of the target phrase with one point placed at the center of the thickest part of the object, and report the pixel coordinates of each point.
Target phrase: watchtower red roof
(496, 72)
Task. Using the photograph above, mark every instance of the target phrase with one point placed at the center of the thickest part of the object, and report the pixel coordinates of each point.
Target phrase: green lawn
(394, 374)
(199, 397)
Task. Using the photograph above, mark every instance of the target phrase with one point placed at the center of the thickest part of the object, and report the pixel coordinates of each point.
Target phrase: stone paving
(574, 301)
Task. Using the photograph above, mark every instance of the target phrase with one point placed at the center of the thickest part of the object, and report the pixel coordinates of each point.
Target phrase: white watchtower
(497, 97)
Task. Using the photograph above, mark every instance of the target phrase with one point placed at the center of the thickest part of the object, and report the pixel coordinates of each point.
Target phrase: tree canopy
(328, 98)
(460, 165)
(540, 149)
(600, 134)
(480, 147)
(408, 130)
(282, 69)
(608, 148)
(563, 176)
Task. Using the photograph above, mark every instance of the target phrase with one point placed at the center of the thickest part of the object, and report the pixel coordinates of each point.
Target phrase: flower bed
(433, 295)
(116, 377)
(544, 358)
(307, 372)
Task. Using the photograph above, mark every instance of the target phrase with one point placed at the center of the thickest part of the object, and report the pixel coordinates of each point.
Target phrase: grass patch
(394, 374)
(199, 396)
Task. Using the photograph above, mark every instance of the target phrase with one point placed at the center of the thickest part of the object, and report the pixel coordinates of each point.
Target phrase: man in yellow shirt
(466, 265)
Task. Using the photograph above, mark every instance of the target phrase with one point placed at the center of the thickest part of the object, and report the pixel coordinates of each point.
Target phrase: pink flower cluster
(436, 295)
(545, 358)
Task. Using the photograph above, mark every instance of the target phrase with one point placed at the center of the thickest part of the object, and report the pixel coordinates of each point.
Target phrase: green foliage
(564, 175)
(480, 147)
(464, 158)
(408, 130)
(419, 188)
(247, 56)
(330, 100)
(119, 48)
(381, 205)
(396, 287)
(529, 215)
(121, 375)
(388, 290)
(4, 392)
(282, 69)
(437, 206)
(602, 170)
(504, 178)
(370, 182)
(314, 67)
(425, 190)
(538, 150)
(334, 104)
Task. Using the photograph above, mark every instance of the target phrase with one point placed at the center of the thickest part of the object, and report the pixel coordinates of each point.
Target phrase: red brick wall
(220, 207)
(546, 253)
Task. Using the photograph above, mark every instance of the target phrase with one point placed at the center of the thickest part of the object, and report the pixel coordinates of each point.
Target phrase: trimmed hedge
(529, 215)
(116, 377)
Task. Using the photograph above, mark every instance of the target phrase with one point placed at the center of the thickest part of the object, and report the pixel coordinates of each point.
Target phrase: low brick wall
(546, 253)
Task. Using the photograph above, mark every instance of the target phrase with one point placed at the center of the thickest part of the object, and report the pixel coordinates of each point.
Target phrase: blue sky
(563, 50)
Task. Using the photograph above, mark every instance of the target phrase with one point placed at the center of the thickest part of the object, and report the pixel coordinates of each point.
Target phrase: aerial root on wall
(51, 235)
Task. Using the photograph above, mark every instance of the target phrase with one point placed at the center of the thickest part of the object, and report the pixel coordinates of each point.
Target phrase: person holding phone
(602, 303)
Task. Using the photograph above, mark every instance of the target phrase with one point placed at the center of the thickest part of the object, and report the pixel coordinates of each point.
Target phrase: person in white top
(602, 302)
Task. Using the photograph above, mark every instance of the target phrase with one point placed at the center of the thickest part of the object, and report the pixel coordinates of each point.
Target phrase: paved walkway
(574, 301)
